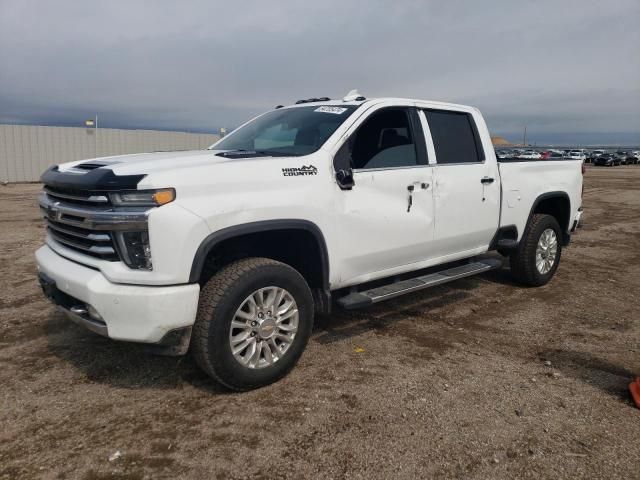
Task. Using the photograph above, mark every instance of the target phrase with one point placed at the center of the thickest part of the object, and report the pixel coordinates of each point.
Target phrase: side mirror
(345, 179)
(342, 164)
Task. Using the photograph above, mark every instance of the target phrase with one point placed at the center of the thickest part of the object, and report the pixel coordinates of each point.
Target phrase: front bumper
(125, 312)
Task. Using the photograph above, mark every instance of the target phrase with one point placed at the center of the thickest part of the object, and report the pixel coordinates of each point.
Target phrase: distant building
(28, 150)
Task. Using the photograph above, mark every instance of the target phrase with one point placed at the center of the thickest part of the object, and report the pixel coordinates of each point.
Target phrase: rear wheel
(254, 320)
(536, 259)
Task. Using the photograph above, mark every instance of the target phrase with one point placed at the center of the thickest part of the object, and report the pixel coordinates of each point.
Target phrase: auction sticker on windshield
(336, 110)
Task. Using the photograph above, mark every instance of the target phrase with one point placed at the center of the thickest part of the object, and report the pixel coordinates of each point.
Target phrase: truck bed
(524, 182)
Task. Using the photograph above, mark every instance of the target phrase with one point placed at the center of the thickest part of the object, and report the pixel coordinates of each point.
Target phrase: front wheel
(254, 320)
(536, 259)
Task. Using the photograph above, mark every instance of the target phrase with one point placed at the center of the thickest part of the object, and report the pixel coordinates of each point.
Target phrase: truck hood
(190, 170)
(148, 163)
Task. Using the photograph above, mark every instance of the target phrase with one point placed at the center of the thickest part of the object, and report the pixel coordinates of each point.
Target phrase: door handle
(486, 180)
(411, 189)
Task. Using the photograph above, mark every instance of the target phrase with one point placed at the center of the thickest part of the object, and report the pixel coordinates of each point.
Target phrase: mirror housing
(342, 165)
(345, 179)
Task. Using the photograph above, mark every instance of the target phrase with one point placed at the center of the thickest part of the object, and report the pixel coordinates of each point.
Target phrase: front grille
(85, 221)
(90, 242)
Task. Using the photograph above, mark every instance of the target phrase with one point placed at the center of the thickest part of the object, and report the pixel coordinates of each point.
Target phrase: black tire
(221, 296)
(523, 259)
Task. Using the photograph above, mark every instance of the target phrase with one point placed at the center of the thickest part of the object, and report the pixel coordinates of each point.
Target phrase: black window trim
(380, 169)
(416, 131)
(474, 130)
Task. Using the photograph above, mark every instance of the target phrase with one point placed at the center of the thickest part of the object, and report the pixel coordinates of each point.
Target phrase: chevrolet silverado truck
(229, 252)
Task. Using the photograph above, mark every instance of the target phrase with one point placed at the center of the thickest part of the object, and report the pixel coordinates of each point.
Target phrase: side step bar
(386, 292)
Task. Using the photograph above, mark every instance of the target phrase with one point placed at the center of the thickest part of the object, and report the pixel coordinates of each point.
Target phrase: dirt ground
(478, 379)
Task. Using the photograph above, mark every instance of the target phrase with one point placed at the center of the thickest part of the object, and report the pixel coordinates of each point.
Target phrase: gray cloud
(559, 67)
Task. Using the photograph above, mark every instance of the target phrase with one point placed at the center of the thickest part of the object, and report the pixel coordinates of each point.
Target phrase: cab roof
(399, 100)
(355, 98)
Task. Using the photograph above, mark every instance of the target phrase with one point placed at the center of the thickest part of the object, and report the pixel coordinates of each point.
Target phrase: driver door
(386, 219)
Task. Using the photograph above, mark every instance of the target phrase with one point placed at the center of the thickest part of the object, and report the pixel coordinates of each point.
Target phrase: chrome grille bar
(93, 249)
(90, 218)
(86, 235)
(80, 197)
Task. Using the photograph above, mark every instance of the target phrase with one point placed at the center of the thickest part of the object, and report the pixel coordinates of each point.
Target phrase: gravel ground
(478, 379)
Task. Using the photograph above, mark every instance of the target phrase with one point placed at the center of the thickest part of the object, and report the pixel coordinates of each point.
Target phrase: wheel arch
(258, 238)
(558, 205)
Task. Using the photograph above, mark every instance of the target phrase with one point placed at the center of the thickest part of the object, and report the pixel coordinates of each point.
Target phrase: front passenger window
(384, 140)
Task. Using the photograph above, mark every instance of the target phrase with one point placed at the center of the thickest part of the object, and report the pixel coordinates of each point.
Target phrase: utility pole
(94, 124)
(96, 135)
(524, 139)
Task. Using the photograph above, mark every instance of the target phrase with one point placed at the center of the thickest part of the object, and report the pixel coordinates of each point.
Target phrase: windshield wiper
(240, 151)
(273, 153)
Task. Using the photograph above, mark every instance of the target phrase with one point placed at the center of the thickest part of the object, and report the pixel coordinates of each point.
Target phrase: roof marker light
(353, 95)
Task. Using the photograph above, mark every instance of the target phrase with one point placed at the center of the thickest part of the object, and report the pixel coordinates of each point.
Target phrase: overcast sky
(568, 69)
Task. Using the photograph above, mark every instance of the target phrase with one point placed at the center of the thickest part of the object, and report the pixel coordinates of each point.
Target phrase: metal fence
(26, 151)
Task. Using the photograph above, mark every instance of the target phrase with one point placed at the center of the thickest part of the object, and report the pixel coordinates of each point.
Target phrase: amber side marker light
(162, 197)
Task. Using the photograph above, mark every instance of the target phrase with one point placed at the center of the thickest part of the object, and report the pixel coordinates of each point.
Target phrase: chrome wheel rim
(263, 327)
(546, 251)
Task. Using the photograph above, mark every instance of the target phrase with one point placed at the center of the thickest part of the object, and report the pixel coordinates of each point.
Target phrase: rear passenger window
(455, 137)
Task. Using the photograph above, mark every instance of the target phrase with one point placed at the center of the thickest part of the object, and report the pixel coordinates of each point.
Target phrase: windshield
(288, 131)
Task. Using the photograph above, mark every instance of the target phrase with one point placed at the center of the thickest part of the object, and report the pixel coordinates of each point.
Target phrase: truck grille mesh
(72, 231)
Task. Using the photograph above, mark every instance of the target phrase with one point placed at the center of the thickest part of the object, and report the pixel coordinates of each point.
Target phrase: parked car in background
(553, 155)
(502, 154)
(530, 155)
(627, 157)
(606, 160)
(597, 153)
(576, 155)
(589, 155)
(636, 154)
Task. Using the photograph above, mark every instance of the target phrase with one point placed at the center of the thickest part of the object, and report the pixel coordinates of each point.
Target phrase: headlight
(143, 198)
(135, 249)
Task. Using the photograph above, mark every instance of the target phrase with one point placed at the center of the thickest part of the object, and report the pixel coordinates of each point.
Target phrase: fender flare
(545, 196)
(209, 243)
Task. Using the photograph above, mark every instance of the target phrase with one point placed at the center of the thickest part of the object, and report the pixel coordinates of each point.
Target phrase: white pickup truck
(230, 251)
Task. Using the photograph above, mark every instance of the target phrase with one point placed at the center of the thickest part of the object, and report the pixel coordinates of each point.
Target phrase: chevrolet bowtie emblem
(54, 213)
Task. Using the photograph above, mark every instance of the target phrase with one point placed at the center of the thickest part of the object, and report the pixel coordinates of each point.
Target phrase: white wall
(27, 151)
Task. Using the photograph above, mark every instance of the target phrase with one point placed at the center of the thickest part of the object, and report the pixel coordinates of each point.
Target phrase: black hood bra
(95, 179)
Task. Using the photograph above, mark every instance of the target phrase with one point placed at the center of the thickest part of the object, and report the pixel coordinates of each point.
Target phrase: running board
(386, 292)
